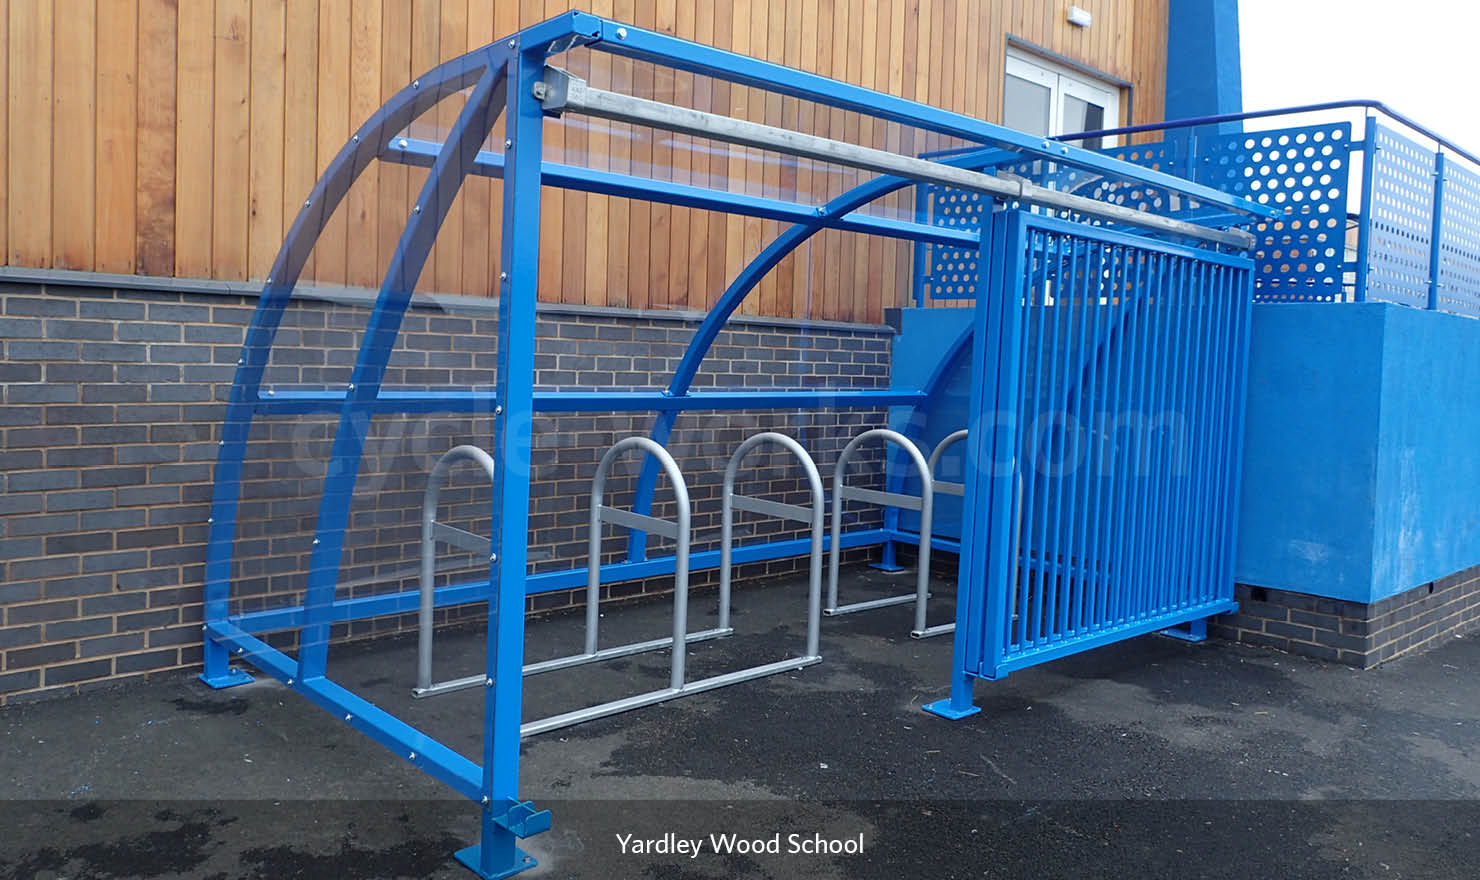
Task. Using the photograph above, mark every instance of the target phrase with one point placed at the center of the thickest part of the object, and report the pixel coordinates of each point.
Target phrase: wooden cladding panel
(181, 139)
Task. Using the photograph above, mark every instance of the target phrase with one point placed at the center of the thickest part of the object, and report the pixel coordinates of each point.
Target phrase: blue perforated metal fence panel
(950, 273)
(1400, 216)
(1459, 241)
(1303, 169)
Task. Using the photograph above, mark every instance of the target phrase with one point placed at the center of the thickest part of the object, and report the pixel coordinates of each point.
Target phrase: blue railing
(1387, 210)
(1110, 395)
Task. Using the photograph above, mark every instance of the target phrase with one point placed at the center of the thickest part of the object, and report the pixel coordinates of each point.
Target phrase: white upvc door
(1046, 99)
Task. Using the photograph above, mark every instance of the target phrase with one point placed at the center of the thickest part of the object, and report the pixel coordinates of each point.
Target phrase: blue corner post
(986, 502)
(505, 818)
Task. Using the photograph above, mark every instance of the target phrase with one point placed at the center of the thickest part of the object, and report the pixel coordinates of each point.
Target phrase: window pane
(1081, 115)
(1025, 106)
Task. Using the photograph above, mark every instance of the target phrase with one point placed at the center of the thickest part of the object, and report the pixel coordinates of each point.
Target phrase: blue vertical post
(1437, 229)
(495, 854)
(992, 432)
(1364, 220)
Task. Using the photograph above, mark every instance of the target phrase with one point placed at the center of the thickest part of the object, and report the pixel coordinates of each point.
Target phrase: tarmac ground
(1150, 758)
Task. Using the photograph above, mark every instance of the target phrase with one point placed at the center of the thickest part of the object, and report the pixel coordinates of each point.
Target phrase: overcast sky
(1419, 57)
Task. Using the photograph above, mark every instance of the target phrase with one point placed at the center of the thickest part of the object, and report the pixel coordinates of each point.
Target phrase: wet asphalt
(1150, 758)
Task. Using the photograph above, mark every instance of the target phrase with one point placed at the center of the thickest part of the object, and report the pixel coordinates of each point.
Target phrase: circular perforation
(952, 272)
(1300, 257)
(1400, 220)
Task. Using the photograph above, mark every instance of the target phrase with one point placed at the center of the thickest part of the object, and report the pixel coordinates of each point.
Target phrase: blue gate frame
(1106, 419)
(501, 77)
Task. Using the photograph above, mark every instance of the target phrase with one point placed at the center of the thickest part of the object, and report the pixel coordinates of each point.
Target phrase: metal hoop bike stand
(680, 531)
(431, 533)
(730, 502)
(922, 503)
(448, 534)
(943, 487)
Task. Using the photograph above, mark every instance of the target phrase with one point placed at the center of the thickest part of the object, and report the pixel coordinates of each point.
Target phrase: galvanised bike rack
(591, 654)
(922, 503)
(511, 80)
(679, 530)
(730, 502)
(940, 487)
(433, 532)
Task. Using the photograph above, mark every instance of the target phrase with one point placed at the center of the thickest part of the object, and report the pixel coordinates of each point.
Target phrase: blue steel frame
(1169, 529)
(501, 76)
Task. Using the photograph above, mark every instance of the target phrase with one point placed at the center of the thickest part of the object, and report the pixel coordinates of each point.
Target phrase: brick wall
(112, 401)
(1355, 633)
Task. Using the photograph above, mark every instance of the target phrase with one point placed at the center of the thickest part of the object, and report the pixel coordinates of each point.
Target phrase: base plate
(232, 678)
(1187, 632)
(469, 857)
(944, 709)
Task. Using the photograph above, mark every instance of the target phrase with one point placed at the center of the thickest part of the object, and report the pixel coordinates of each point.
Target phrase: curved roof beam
(432, 204)
(346, 167)
(793, 237)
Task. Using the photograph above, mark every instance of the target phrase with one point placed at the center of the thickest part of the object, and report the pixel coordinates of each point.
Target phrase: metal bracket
(522, 819)
(553, 90)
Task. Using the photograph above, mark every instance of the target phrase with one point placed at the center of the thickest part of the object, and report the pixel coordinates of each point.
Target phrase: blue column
(1203, 72)
(505, 817)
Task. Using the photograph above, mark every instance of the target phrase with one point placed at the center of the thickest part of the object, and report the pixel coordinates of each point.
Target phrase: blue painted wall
(1307, 512)
(1361, 477)
(925, 335)
(1203, 72)
(1428, 458)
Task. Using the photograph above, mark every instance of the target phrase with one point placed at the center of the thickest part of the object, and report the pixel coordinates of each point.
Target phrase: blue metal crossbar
(366, 607)
(499, 80)
(290, 401)
(489, 164)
